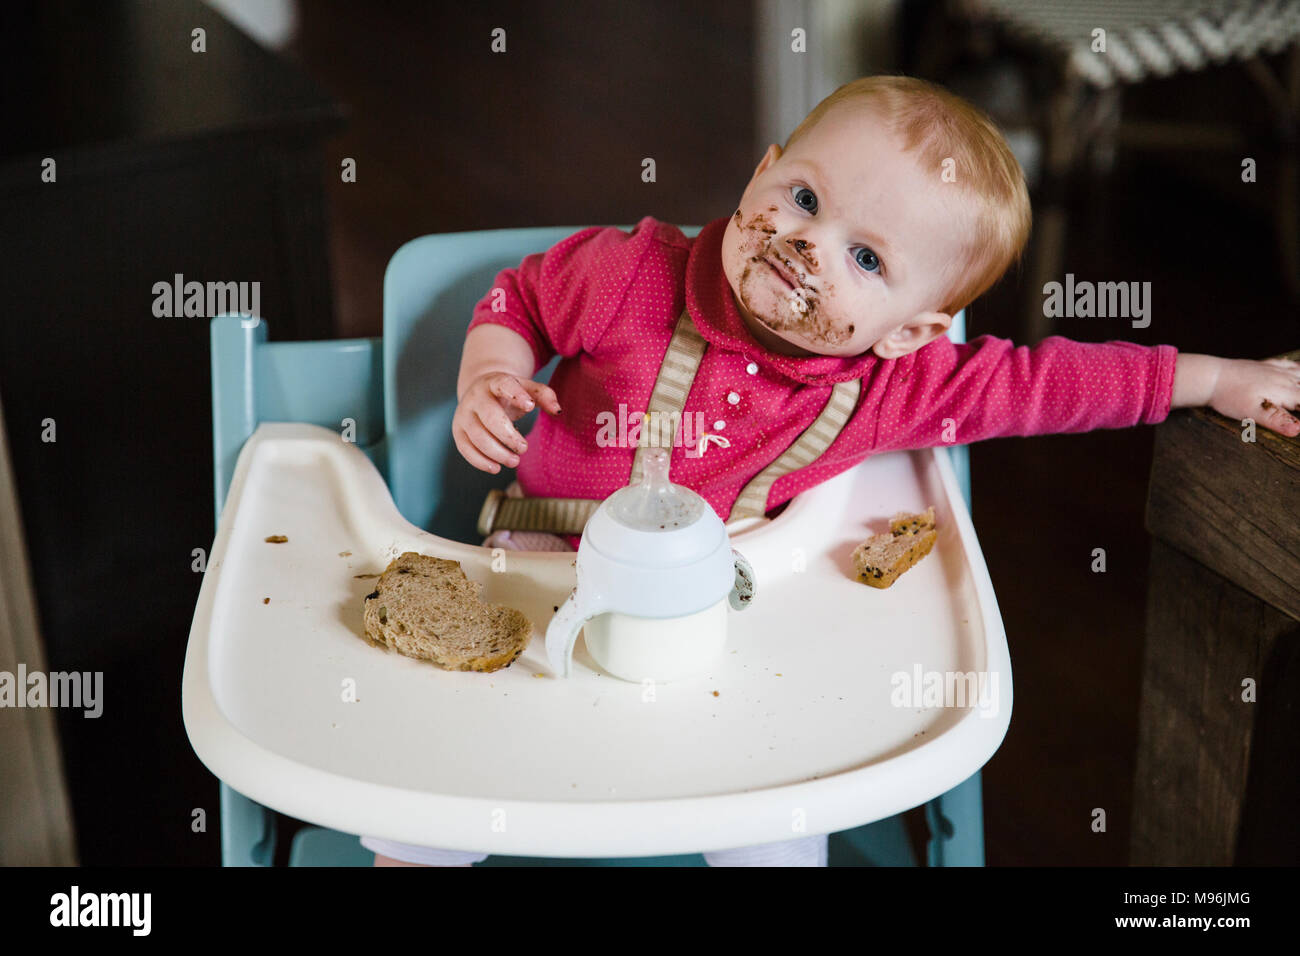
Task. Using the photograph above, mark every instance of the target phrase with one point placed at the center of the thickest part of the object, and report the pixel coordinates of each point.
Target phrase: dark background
(449, 137)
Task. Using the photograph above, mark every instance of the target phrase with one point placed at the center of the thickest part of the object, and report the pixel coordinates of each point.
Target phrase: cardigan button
(733, 398)
(719, 425)
(752, 368)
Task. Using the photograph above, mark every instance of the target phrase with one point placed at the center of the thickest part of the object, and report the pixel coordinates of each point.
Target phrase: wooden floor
(448, 136)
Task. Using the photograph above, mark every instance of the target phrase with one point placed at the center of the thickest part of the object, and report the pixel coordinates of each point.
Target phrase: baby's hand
(483, 424)
(1260, 390)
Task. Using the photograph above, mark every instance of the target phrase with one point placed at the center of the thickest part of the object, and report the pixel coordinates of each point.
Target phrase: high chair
(398, 392)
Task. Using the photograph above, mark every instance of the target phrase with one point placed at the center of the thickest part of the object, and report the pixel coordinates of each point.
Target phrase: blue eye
(809, 202)
(867, 259)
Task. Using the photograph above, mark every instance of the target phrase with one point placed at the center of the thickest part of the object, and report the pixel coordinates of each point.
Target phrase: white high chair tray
(801, 728)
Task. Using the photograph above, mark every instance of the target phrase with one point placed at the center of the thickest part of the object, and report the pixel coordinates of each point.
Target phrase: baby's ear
(913, 334)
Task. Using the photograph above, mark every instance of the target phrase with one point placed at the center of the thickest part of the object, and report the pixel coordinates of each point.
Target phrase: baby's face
(844, 244)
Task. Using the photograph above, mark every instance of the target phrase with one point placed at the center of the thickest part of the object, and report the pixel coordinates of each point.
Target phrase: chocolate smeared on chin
(800, 311)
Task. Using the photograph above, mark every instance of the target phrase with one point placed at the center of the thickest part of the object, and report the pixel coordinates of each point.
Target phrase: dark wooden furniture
(1216, 781)
(168, 161)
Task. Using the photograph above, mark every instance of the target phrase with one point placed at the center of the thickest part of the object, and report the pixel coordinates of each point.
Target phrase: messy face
(844, 244)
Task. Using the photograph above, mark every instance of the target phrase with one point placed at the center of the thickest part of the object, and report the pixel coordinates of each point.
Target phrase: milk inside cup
(647, 648)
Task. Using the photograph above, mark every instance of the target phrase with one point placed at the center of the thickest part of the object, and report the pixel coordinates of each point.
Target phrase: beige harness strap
(681, 362)
(556, 515)
(816, 438)
(658, 430)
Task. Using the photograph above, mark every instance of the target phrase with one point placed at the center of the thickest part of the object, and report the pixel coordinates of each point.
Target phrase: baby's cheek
(752, 244)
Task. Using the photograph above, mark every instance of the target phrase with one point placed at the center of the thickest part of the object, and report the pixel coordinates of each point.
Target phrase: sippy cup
(656, 574)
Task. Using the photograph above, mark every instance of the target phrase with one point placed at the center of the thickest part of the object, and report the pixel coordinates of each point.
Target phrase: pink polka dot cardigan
(607, 301)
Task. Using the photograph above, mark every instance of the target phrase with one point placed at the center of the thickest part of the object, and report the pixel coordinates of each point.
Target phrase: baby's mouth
(781, 272)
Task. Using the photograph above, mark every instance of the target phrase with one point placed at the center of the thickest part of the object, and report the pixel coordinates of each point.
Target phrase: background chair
(399, 395)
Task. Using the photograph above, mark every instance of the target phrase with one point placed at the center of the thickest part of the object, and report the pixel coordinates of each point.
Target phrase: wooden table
(1216, 781)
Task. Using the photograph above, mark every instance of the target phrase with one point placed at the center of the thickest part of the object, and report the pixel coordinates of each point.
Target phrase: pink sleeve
(551, 297)
(957, 393)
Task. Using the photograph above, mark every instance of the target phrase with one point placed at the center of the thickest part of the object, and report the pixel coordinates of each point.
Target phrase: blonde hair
(942, 125)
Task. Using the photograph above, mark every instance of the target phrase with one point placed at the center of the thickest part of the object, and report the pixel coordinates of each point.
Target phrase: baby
(893, 205)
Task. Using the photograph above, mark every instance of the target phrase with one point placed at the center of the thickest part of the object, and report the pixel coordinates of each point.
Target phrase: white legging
(805, 851)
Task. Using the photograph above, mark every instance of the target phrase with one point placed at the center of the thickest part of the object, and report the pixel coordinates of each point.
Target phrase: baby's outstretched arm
(494, 389)
(1241, 388)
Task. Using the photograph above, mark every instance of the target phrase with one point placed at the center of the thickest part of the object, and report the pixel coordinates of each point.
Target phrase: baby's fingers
(475, 457)
(1287, 365)
(544, 395)
(1275, 418)
(496, 437)
(512, 391)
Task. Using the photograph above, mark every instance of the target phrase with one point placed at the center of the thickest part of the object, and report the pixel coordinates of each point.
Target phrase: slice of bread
(883, 557)
(425, 607)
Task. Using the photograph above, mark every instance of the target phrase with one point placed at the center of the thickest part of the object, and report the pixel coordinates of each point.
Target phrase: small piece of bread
(883, 557)
(425, 607)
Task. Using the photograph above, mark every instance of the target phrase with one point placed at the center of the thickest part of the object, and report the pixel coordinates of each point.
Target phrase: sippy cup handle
(562, 632)
(742, 593)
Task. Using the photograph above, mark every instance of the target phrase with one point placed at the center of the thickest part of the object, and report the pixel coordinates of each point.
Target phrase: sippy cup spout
(656, 470)
(654, 503)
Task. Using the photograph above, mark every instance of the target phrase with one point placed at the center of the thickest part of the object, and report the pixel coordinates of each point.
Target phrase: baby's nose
(804, 249)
